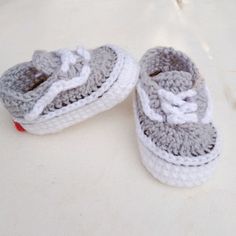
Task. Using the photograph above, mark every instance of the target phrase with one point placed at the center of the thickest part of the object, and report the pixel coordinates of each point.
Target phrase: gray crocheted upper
(22, 85)
(174, 71)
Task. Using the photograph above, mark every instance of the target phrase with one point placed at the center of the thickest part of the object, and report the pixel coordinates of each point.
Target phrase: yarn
(61, 88)
(178, 142)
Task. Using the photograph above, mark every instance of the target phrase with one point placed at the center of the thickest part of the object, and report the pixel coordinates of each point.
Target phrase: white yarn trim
(67, 58)
(146, 105)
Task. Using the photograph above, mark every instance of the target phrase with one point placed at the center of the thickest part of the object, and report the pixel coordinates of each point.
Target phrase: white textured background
(88, 180)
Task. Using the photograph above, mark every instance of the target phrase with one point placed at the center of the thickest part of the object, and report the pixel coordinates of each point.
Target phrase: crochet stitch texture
(25, 83)
(173, 115)
(40, 93)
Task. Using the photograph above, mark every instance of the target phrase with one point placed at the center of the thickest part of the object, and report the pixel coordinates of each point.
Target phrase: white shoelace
(177, 108)
(67, 58)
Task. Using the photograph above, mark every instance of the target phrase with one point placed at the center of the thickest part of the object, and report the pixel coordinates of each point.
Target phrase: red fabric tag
(19, 127)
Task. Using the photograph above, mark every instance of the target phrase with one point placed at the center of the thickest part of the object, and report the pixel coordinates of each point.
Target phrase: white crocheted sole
(185, 174)
(117, 93)
(171, 174)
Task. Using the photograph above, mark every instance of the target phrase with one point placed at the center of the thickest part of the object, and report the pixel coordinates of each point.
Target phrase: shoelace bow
(67, 58)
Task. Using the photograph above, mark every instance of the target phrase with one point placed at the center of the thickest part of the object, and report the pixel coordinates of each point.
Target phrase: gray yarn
(20, 88)
(175, 72)
(102, 63)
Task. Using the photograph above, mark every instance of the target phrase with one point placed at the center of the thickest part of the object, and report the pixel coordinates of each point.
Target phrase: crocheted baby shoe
(177, 140)
(58, 89)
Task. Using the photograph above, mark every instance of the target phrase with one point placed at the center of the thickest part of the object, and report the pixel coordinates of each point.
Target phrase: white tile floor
(88, 180)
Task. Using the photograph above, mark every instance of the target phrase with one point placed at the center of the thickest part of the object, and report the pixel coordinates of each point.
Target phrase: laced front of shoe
(60, 88)
(68, 58)
(175, 106)
(178, 142)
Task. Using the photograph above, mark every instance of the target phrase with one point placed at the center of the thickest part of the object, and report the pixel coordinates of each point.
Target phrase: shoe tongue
(174, 81)
(46, 62)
